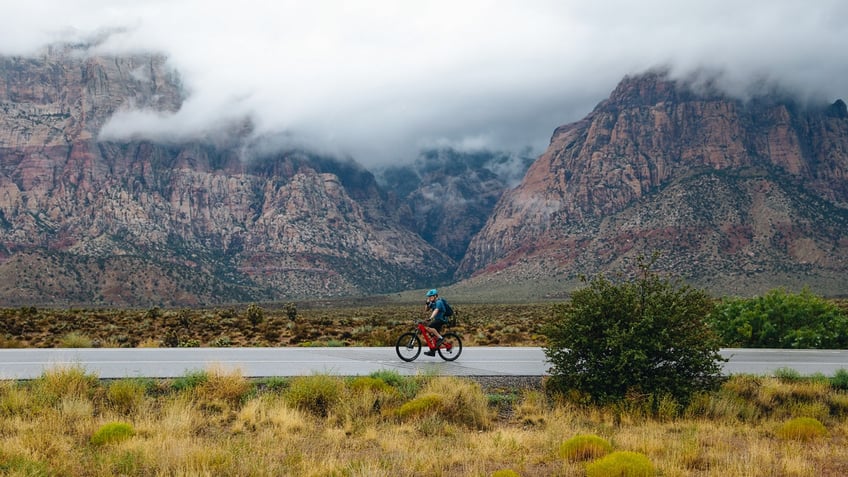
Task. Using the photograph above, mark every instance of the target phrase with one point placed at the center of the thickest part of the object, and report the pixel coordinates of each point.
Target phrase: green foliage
(780, 320)
(291, 311)
(112, 432)
(255, 314)
(505, 473)
(802, 429)
(316, 394)
(584, 447)
(191, 380)
(642, 337)
(621, 463)
(840, 380)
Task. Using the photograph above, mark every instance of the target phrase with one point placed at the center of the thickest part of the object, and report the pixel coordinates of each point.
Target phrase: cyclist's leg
(434, 327)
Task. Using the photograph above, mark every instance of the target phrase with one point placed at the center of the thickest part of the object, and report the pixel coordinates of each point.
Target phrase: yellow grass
(224, 425)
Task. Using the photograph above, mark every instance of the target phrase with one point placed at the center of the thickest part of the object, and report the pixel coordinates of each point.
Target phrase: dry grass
(220, 423)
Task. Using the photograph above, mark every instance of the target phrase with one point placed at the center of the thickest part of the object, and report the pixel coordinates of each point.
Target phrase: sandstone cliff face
(137, 223)
(740, 197)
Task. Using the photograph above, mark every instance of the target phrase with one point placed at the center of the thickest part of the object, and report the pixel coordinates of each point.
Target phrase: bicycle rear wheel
(408, 346)
(451, 347)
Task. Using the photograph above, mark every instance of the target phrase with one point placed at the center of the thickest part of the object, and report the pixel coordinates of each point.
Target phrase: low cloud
(379, 80)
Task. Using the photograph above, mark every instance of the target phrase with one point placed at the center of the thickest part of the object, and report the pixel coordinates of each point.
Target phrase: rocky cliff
(85, 221)
(737, 196)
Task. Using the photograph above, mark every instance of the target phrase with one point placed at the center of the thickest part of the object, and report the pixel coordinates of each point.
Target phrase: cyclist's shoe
(432, 352)
(440, 341)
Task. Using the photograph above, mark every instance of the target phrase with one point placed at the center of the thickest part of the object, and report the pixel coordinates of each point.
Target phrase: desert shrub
(787, 375)
(621, 463)
(452, 399)
(424, 404)
(191, 380)
(75, 340)
(369, 383)
(112, 432)
(58, 383)
(840, 380)
(230, 387)
(405, 385)
(126, 395)
(316, 394)
(802, 429)
(645, 336)
(780, 320)
(584, 447)
(255, 314)
(505, 473)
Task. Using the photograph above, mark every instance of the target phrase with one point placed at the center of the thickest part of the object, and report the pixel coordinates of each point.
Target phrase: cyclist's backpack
(450, 317)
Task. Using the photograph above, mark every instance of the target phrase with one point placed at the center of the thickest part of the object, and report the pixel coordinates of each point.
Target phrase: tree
(646, 336)
(780, 320)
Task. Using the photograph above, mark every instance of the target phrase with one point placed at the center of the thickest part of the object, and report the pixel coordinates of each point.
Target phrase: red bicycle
(408, 346)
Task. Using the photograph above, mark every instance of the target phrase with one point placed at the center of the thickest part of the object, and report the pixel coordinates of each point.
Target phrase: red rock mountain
(85, 221)
(736, 196)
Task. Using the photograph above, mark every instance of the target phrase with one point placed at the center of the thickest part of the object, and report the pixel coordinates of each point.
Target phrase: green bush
(840, 380)
(112, 432)
(505, 473)
(639, 338)
(802, 429)
(780, 320)
(316, 394)
(621, 463)
(191, 380)
(584, 447)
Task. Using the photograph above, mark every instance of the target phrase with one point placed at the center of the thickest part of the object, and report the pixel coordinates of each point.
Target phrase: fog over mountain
(382, 80)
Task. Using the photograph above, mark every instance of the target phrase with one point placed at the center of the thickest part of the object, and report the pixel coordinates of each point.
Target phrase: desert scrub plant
(840, 380)
(505, 473)
(230, 387)
(645, 336)
(57, 383)
(190, 380)
(126, 395)
(453, 400)
(780, 319)
(584, 447)
(407, 386)
(75, 339)
(621, 463)
(801, 429)
(316, 394)
(112, 432)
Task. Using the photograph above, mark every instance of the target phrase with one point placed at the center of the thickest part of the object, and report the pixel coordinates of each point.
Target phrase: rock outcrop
(736, 196)
(86, 221)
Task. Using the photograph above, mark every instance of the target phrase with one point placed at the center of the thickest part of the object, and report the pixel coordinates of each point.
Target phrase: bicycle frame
(428, 338)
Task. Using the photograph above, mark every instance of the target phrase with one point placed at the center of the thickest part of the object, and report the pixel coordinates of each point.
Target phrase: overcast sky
(381, 79)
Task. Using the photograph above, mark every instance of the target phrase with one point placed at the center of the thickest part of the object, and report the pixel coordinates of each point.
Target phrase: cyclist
(436, 307)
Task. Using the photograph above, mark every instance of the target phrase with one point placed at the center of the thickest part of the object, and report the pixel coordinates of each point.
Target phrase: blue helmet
(432, 292)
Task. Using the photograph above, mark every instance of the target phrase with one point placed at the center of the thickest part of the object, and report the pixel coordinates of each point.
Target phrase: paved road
(259, 362)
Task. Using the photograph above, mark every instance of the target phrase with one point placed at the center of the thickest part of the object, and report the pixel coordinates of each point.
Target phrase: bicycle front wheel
(451, 347)
(408, 346)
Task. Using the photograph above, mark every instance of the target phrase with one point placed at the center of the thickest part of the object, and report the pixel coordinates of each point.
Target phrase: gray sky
(381, 79)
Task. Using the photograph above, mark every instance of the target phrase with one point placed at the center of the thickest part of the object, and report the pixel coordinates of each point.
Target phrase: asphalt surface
(262, 362)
